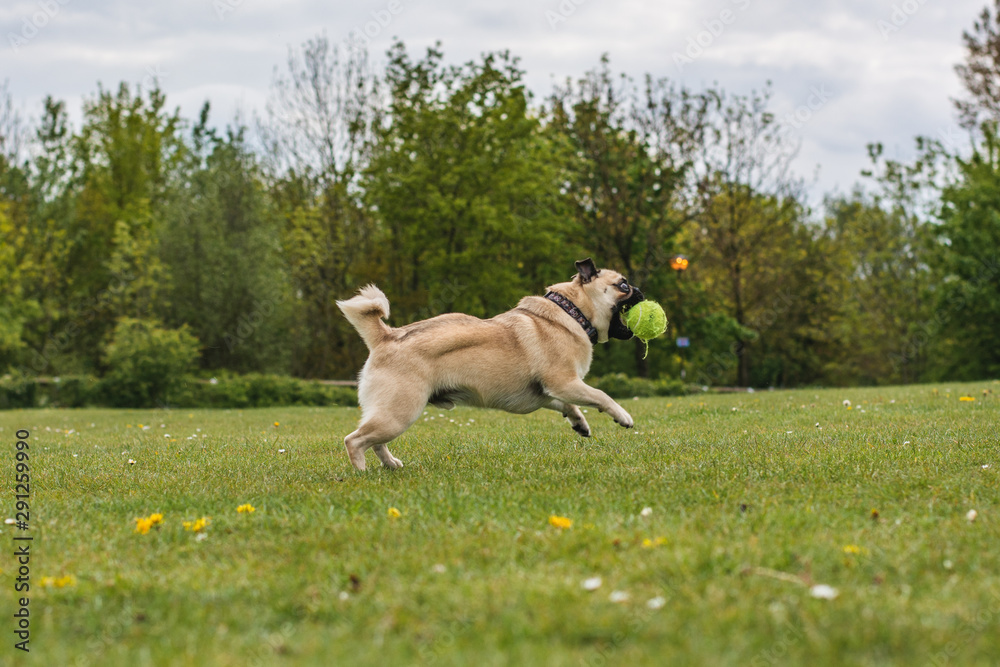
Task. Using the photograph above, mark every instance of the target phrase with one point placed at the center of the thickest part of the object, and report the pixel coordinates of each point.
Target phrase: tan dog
(534, 356)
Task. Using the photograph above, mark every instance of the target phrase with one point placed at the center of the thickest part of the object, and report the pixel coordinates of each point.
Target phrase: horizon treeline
(454, 189)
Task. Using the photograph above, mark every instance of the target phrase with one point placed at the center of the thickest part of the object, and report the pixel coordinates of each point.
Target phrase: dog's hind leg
(374, 433)
(391, 414)
(573, 414)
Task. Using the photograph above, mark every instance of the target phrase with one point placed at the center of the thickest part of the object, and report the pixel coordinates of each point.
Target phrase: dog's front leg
(578, 392)
(573, 414)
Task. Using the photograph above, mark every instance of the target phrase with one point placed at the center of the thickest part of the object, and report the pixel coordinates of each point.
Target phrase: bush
(75, 391)
(619, 385)
(145, 363)
(259, 391)
(17, 393)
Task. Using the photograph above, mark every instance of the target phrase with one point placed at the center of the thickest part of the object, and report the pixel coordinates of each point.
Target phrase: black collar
(575, 313)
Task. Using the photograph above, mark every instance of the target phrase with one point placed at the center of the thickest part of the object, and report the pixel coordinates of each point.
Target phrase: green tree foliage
(145, 362)
(138, 243)
(96, 202)
(465, 183)
(221, 243)
(630, 157)
(318, 133)
(753, 249)
(969, 252)
(885, 306)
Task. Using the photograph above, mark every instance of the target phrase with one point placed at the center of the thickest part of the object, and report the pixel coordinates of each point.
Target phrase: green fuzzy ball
(646, 320)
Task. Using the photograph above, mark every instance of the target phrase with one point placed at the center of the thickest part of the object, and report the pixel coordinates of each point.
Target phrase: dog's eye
(623, 286)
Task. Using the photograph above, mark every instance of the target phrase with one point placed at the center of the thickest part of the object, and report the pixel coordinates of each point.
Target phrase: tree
(980, 73)
(631, 156)
(321, 117)
(221, 243)
(969, 239)
(322, 111)
(885, 282)
(749, 236)
(464, 182)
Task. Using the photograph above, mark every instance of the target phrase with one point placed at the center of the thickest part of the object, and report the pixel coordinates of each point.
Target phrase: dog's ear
(587, 270)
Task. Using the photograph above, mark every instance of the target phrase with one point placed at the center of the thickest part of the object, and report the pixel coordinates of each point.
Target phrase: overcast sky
(874, 70)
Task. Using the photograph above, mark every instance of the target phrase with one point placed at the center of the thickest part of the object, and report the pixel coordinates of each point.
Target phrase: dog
(534, 356)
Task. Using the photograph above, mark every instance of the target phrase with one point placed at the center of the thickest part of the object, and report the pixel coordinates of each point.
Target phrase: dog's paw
(583, 429)
(388, 460)
(624, 419)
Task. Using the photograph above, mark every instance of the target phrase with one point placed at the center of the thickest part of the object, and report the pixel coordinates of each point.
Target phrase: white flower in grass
(656, 603)
(646, 511)
(971, 515)
(823, 592)
(439, 569)
(131, 462)
(591, 584)
(344, 595)
(618, 596)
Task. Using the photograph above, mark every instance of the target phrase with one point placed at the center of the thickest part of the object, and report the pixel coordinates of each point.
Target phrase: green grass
(755, 502)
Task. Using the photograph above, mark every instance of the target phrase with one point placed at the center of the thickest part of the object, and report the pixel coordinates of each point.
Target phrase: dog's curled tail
(366, 312)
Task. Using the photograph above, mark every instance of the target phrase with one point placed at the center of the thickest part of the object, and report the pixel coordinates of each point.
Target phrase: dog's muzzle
(618, 329)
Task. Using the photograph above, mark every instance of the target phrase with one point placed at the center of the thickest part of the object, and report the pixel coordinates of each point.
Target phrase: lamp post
(680, 263)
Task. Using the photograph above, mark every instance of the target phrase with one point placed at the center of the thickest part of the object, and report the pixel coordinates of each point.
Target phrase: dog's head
(603, 295)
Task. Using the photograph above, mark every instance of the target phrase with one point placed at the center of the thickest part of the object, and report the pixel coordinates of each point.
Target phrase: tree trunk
(742, 363)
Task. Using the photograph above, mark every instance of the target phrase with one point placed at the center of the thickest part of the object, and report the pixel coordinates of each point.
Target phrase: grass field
(755, 499)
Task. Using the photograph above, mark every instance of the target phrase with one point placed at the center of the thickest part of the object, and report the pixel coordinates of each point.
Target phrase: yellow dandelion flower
(854, 549)
(142, 525)
(277, 424)
(68, 580)
(246, 509)
(966, 398)
(658, 542)
(156, 518)
(48, 582)
(198, 525)
(394, 513)
(560, 522)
